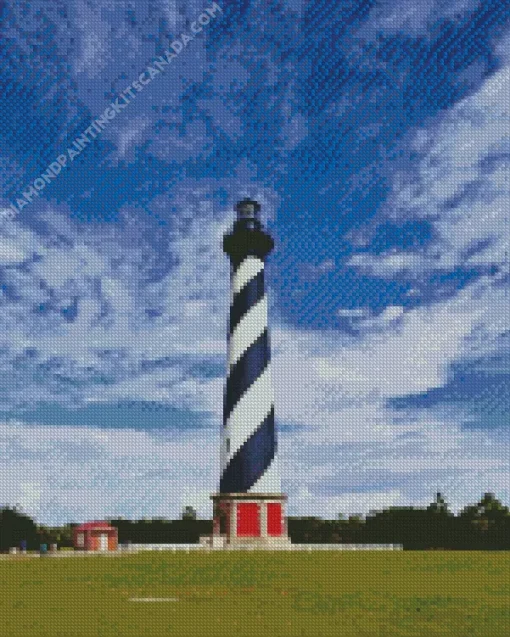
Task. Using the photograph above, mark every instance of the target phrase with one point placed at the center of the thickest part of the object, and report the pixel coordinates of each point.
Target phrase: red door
(274, 518)
(248, 519)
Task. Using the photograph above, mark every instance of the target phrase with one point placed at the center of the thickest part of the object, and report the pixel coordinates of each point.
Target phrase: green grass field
(461, 594)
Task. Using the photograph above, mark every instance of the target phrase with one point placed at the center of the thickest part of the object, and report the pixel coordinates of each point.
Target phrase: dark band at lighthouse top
(247, 237)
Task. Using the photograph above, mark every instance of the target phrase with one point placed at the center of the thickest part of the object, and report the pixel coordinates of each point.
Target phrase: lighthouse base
(249, 520)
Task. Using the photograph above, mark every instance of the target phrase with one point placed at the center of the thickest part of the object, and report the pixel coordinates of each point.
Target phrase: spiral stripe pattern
(249, 440)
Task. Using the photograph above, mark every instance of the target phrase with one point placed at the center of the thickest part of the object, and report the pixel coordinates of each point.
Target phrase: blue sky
(376, 137)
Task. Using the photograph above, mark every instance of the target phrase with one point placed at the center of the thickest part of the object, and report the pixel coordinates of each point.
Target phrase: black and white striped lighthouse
(249, 508)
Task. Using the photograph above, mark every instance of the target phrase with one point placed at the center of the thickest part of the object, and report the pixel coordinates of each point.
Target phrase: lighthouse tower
(249, 508)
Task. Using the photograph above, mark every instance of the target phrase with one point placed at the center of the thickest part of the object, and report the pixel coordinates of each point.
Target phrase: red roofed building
(95, 536)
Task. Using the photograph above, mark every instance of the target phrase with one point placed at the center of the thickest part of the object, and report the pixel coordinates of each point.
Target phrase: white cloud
(58, 474)
(398, 354)
(130, 133)
(351, 441)
(352, 313)
(411, 17)
(461, 185)
(94, 41)
(339, 388)
(110, 336)
(389, 265)
(170, 387)
(10, 253)
(363, 459)
(502, 47)
(304, 502)
(294, 129)
(369, 447)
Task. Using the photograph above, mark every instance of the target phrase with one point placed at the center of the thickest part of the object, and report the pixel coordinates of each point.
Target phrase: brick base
(250, 519)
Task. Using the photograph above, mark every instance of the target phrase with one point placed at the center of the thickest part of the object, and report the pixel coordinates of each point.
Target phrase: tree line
(484, 525)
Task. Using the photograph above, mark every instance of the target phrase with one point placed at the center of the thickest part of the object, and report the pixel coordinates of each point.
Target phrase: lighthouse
(249, 508)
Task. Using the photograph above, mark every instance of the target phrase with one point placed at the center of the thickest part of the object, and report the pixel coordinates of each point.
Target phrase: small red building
(95, 536)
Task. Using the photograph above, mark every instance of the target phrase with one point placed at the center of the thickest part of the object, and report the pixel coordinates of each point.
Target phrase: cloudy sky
(376, 136)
